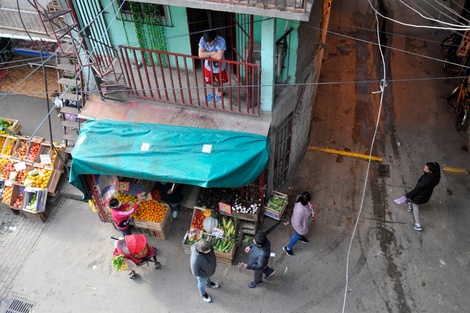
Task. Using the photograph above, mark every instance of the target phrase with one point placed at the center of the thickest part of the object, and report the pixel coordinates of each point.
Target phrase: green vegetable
(118, 262)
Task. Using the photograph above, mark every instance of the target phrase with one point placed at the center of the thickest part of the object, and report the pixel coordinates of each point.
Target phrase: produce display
(225, 244)
(22, 149)
(150, 210)
(38, 178)
(19, 201)
(4, 124)
(8, 146)
(198, 220)
(7, 169)
(277, 203)
(6, 196)
(2, 141)
(2, 163)
(35, 200)
(33, 151)
(246, 208)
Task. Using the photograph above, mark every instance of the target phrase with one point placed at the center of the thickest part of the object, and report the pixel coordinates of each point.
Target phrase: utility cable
(383, 85)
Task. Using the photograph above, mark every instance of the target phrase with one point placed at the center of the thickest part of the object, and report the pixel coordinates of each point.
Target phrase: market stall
(111, 156)
(30, 171)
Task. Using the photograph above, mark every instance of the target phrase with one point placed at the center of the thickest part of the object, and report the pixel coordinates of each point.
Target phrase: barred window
(148, 13)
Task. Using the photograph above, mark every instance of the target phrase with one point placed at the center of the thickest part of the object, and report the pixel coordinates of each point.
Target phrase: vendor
(121, 215)
(171, 194)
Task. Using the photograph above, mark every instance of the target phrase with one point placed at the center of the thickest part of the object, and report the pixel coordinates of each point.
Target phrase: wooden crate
(28, 194)
(40, 217)
(14, 128)
(160, 227)
(226, 258)
(8, 146)
(22, 144)
(187, 247)
(273, 213)
(163, 234)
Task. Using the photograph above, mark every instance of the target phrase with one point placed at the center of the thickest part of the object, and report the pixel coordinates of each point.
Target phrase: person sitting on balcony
(212, 46)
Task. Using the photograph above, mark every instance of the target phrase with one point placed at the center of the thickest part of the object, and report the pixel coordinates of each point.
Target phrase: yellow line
(346, 153)
(455, 170)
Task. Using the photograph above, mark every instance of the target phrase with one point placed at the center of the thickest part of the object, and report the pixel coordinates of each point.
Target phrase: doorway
(202, 20)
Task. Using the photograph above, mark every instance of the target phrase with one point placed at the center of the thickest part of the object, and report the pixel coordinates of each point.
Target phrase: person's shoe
(417, 227)
(271, 274)
(252, 285)
(213, 285)
(288, 252)
(303, 239)
(209, 97)
(206, 298)
(175, 214)
(409, 207)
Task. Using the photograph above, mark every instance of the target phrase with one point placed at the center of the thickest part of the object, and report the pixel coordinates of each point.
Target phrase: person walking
(121, 215)
(423, 191)
(213, 47)
(302, 216)
(259, 252)
(203, 264)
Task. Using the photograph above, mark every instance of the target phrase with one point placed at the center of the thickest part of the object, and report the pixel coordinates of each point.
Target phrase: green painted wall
(177, 35)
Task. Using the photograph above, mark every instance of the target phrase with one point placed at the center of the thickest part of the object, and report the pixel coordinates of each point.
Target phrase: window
(147, 13)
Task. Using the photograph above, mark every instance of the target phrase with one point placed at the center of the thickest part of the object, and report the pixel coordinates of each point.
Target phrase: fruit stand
(223, 216)
(30, 171)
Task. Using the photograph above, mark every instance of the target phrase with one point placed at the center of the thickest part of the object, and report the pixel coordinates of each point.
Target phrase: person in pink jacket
(302, 216)
(121, 215)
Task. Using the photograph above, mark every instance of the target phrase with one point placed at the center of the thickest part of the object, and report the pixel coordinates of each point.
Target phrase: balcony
(179, 79)
(299, 6)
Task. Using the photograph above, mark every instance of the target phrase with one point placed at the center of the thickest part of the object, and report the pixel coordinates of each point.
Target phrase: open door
(202, 20)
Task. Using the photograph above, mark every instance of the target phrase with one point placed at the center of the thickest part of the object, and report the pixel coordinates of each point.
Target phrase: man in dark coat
(423, 191)
(259, 252)
(203, 264)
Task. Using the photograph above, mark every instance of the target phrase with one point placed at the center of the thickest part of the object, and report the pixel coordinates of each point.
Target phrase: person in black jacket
(259, 252)
(423, 191)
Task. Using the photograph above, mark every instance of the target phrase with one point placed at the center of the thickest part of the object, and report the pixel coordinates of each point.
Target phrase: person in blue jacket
(259, 252)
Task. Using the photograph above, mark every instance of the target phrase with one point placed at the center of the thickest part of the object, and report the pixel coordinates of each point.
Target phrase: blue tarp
(186, 155)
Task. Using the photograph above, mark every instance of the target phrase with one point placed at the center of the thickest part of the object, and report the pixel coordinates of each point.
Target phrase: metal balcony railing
(179, 79)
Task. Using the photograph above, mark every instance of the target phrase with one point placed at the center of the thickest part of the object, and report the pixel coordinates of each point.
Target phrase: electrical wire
(383, 85)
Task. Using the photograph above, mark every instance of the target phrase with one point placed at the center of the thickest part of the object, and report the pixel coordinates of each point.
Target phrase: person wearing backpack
(423, 191)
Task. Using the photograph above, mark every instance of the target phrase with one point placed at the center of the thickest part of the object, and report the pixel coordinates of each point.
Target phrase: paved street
(64, 265)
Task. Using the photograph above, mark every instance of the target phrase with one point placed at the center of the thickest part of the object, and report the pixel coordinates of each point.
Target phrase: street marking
(346, 153)
(455, 170)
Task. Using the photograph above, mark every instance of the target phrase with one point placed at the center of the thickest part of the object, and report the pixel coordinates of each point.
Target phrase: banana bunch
(227, 224)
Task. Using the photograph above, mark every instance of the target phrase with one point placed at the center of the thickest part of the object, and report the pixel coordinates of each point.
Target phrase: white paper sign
(217, 232)
(145, 146)
(8, 183)
(45, 158)
(207, 148)
(20, 166)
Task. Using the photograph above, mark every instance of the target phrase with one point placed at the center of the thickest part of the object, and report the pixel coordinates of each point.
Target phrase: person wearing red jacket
(121, 215)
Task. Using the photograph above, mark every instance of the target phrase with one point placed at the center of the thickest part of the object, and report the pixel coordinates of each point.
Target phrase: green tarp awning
(186, 155)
